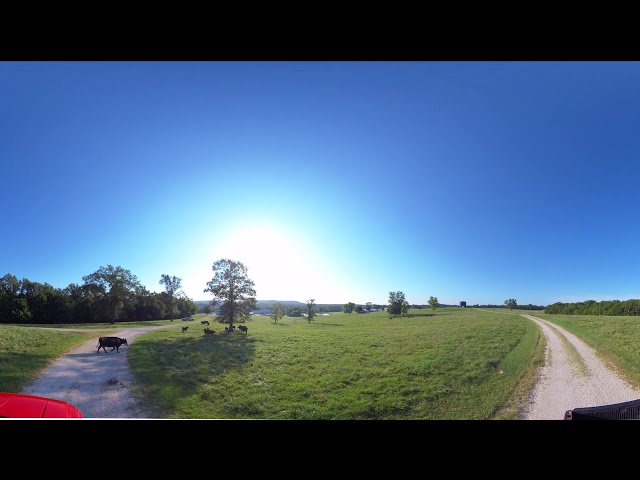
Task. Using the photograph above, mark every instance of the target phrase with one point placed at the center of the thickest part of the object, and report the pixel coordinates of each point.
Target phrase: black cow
(204, 322)
(113, 342)
(243, 328)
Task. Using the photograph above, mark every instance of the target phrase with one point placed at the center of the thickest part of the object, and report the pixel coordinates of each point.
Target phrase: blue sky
(339, 181)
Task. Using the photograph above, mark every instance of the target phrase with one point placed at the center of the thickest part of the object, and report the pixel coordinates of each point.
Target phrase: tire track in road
(99, 384)
(573, 376)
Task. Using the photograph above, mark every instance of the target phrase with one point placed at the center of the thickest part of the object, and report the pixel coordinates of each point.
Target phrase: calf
(184, 329)
(244, 328)
(113, 342)
(204, 322)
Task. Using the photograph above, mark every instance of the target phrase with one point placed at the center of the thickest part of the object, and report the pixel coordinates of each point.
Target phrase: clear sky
(338, 181)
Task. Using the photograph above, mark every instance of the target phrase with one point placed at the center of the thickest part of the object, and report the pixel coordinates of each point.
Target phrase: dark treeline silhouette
(591, 307)
(514, 307)
(107, 295)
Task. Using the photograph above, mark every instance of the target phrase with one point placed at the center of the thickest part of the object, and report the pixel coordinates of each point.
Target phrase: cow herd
(208, 332)
(116, 342)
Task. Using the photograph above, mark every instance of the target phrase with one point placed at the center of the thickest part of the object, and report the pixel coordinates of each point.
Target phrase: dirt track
(99, 384)
(573, 376)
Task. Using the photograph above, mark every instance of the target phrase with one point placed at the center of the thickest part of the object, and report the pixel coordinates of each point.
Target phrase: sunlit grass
(24, 352)
(458, 364)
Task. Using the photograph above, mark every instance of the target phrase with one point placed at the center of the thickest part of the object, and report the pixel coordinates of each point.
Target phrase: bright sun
(278, 262)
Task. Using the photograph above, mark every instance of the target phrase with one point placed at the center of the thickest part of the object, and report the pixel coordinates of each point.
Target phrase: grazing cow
(244, 328)
(113, 342)
(184, 329)
(209, 332)
(204, 322)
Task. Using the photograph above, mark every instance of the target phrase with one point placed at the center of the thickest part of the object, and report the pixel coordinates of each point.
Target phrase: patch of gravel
(99, 384)
(568, 382)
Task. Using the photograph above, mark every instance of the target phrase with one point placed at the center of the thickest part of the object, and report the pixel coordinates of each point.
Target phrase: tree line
(591, 307)
(512, 307)
(110, 294)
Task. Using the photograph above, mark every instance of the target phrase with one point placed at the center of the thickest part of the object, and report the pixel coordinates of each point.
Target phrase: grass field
(615, 338)
(24, 352)
(458, 364)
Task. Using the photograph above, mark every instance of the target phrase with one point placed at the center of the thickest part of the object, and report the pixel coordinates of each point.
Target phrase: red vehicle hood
(16, 405)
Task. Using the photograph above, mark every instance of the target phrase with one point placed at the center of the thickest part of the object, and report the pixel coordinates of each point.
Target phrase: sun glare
(280, 264)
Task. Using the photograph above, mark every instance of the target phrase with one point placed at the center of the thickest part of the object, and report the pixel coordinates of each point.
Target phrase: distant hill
(286, 303)
(261, 303)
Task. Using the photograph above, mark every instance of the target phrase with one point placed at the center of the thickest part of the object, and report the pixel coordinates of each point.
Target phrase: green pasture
(456, 364)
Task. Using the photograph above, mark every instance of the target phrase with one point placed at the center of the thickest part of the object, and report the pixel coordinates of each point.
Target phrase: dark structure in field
(463, 304)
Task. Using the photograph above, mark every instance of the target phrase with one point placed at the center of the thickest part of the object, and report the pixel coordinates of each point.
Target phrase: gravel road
(97, 383)
(573, 376)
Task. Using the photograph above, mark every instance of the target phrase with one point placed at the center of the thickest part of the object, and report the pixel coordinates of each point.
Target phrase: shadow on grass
(18, 369)
(332, 324)
(173, 370)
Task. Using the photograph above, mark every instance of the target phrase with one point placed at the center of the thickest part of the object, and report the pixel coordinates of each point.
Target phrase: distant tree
(207, 309)
(349, 307)
(232, 286)
(13, 305)
(171, 285)
(294, 312)
(46, 304)
(278, 311)
(396, 303)
(148, 307)
(511, 303)
(369, 305)
(117, 285)
(359, 309)
(405, 307)
(433, 301)
(185, 306)
(311, 312)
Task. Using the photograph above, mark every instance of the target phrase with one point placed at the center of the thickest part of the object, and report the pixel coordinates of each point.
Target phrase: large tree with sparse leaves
(233, 291)
(511, 303)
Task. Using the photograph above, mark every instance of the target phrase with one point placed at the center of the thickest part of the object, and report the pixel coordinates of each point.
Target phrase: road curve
(573, 376)
(99, 384)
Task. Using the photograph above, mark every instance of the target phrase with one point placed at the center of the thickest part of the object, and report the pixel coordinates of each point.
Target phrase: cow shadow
(180, 368)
